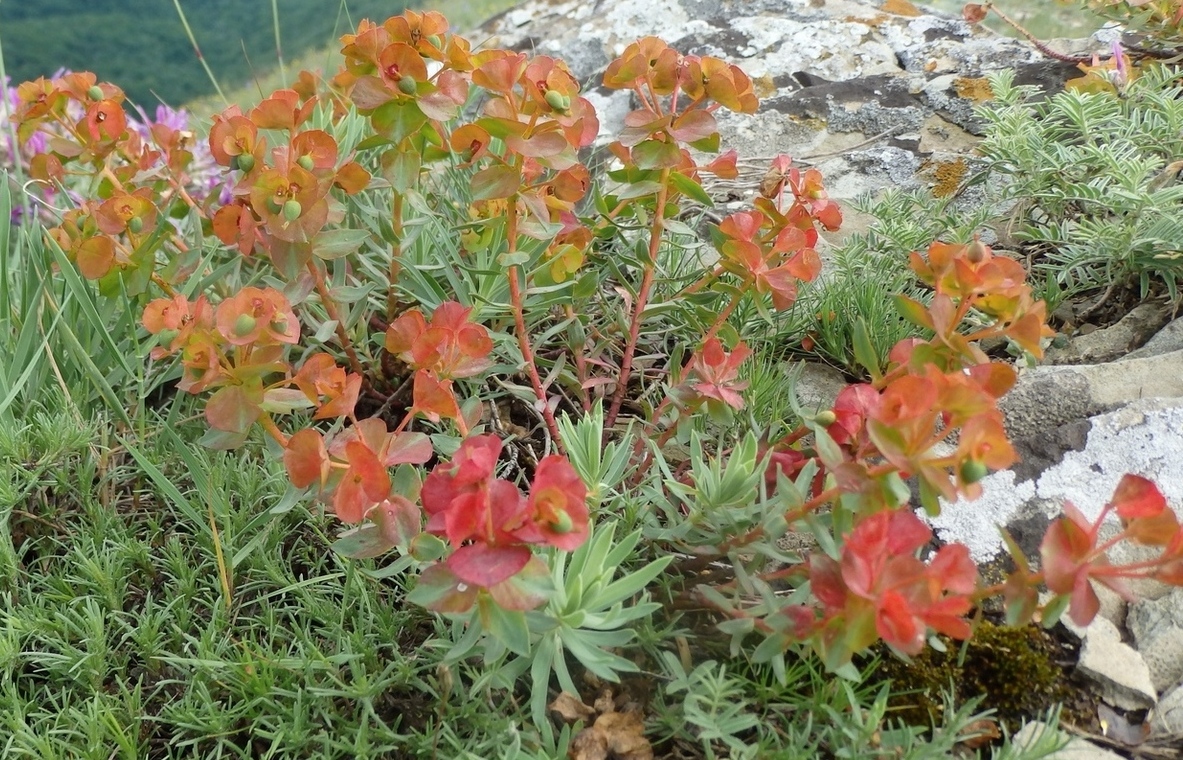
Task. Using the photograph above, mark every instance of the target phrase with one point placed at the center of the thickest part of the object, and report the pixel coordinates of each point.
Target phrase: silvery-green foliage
(712, 708)
(1091, 177)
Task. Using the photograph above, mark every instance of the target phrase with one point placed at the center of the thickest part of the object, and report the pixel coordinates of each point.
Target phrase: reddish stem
(519, 319)
(1035, 40)
(331, 310)
(396, 222)
(723, 315)
(634, 333)
(580, 367)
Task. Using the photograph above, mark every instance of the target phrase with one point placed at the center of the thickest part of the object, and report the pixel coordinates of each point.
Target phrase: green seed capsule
(245, 162)
(557, 100)
(825, 418)
(292, 210)
(305, 163)
(406, 85)
(436, 40)
(562, 523)
(95, 92)
(135, 224)
(244, 325)
(972, 471)
(167, 337)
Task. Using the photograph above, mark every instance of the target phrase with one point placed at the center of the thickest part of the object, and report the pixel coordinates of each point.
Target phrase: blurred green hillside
(141, 45)
(1045, 19)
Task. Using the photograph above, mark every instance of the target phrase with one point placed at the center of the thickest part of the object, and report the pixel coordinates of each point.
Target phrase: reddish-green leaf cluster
(350, 469)
(448, 347)
(712, 378)
(930, 414)
(879, 590)
(1072, 559)
(490, 525)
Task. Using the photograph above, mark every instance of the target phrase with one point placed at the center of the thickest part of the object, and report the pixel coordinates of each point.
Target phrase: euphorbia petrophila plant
(512, 127)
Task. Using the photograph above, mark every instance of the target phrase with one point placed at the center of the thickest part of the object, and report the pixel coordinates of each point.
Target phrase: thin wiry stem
(197, 51)
(283, 71)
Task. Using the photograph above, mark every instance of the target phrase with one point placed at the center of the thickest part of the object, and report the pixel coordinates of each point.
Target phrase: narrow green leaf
(691, 189)
(333, 244)
(84, 296)
(169, 489)
(864, 352)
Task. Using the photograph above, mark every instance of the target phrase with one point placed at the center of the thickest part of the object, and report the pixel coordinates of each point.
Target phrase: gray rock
(1166, 340)
(818, 385)
(1117, 669)
(1145, 438)
(1074, 748)
(1157, 628)
(872, 98)
(1047, 397)
(1114, 342)
(1168, 715)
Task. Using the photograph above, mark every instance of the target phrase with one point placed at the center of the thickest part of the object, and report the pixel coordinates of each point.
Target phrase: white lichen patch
(831, 49)
(1144, 439)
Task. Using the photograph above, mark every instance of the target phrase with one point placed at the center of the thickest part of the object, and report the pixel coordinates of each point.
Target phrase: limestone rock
(1117, 669)
(1047, 397)
(1115, 341)
(1168, 715)
(874, 99)
(818, 385)
(1074, 748)
(1157, 628)
(1166, 340)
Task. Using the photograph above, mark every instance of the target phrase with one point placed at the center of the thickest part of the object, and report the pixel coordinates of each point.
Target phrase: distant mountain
(141, 45)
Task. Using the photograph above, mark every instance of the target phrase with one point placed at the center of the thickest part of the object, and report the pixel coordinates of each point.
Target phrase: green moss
(1013, 668)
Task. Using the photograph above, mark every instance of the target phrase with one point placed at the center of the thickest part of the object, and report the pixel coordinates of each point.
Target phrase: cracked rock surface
(878, 99)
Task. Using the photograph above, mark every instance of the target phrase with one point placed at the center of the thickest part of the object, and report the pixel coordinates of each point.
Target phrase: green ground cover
(1046, 19)
(158, 599)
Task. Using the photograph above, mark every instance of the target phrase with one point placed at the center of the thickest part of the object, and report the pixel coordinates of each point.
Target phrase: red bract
(320, 378)
(879, 581)
(291, 201)
(433, 397)
(235, 224)
(648, 59)
(450, 345)
(1072, 559)
(771, 255)
(175, 319)
(465, 501)
(712, 375)
(1067, 551)
(852, 407)
(484, 565)
(259, 316)
(123, 213)
(1138, 498)
(307, 459)
(233, 136)
(455, 494)
(201, 364)
(364, 483)
(281, 110)
(557, 507)
(366, 449)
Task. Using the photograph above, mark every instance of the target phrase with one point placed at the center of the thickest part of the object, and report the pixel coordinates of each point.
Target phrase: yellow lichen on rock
(900, 8)
(976, 89)
(764, 86)
(946, 176)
